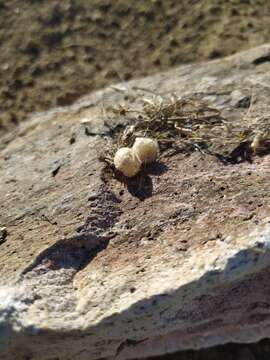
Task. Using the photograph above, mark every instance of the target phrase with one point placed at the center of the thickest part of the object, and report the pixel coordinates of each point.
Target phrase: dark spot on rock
(214, 54)
(261, 60)
(52, 39)
(72, 140)
(32, 49)
(56, 170)
(244, 102)
(92, 197)
(3, 235)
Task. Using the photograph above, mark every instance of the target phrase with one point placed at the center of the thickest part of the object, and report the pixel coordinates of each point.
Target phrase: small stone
(5, 67)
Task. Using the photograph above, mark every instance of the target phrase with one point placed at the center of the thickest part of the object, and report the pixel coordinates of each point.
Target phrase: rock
(93, 269)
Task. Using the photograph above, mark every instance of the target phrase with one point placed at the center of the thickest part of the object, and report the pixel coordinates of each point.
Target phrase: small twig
(145, 90)
(250, 103)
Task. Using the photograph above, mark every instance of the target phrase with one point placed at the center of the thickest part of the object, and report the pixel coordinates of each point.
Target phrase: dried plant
(189, 124)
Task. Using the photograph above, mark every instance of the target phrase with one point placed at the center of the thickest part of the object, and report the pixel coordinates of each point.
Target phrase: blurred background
(54, 51)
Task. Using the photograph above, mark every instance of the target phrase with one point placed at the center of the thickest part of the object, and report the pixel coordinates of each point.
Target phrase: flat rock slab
(91, 269)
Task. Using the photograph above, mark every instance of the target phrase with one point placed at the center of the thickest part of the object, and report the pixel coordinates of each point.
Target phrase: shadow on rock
(73, 253)
(141, 185)
(157, 168)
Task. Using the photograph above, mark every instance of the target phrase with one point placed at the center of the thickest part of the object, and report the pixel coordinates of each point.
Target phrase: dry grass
(186, 125)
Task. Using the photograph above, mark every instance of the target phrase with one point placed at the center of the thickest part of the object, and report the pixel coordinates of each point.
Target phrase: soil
(52, 52)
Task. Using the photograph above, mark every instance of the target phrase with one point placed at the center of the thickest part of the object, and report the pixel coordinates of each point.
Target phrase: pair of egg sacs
(129, 160)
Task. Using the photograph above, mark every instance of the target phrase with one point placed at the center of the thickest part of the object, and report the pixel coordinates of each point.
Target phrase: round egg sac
(126, 162)
(146, 149)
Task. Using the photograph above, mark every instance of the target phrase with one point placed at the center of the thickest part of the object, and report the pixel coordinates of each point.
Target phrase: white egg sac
(146, 150)
(126, 162)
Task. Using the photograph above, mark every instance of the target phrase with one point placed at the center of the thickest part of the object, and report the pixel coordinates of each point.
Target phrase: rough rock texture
(92, 269)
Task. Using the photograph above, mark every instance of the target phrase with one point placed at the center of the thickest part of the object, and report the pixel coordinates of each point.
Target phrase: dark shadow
(264, 148)
(261, 60)
(231, 351)
(157, 168)
(240, 154)
(244, 152)
(141, 185)
(73, 253)
(78, 251)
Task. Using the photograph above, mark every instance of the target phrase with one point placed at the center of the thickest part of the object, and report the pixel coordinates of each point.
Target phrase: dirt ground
(54, 51)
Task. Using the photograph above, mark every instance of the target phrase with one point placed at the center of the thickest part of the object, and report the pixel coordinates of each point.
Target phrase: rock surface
(91, 269)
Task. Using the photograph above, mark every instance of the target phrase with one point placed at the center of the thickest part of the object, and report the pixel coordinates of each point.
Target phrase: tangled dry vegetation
(190, 124)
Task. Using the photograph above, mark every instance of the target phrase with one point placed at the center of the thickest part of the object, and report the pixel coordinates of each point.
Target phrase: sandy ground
(54, 51)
